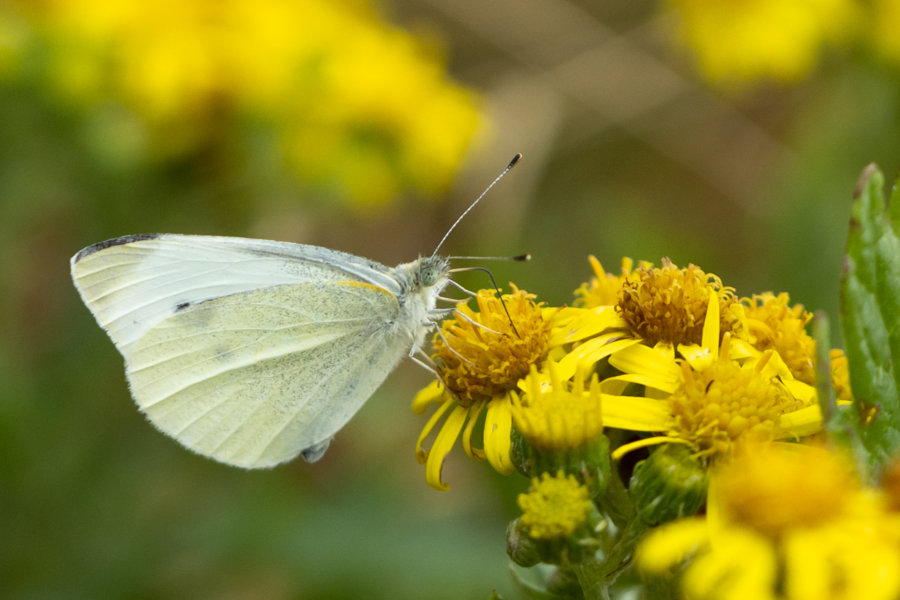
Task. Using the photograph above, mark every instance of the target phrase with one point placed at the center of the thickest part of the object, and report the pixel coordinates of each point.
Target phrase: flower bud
(560, 519)
(668, 485)
(559, 428)
(521, 547)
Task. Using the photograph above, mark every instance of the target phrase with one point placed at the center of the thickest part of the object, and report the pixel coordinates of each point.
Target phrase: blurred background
(727, 134)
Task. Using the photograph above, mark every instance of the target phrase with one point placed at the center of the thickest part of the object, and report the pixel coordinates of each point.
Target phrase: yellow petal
(635, 413)
(742, 566)
(592, 351)
(617, 384)
(571, 327)
(428, 394)
(650, 441)
(667, 546)
(422, 455)
(474, 412)
(803, 422)
(442, 445)
(710, 338)
(497, 429)
(650, 362)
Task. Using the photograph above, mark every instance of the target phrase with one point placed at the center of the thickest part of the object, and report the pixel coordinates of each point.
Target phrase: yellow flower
(654, 305)
(737, 42)
(882, 29)
(668, 304)
(555, 506)
(557, 415)
(772, 323)
(603, 288)
(480, 358)
(355, 105)
(784, 522)
(711, 398)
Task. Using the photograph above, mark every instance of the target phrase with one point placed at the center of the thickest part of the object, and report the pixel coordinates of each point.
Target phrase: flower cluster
(737, 44)
(352, 104)
(784, 521)
(627, 411)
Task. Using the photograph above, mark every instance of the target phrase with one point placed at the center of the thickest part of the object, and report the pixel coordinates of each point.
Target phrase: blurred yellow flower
(882, 30)
(737, 42)
(355, 105)
(784, 522)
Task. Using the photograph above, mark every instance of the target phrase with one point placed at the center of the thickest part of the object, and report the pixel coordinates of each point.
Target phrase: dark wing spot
(119, 241)
(182, 306)
(315, 452)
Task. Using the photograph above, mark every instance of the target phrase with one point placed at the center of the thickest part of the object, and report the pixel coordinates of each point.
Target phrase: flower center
(776, 325)
(775, 488)
(481, 356)
(555, 506)
(724, 402)
(554, 417)
(668, 304)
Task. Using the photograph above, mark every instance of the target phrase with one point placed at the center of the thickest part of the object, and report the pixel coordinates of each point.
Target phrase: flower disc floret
(481, 356)
(773, 489)
(558, 416)
(773, 324)
(716, 406)
(668, 304)
(555, 506)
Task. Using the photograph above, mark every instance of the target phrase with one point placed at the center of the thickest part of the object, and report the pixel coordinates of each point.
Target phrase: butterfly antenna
(499, 295)
(511, 164)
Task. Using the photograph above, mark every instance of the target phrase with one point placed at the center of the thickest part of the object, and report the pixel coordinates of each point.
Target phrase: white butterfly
(251, 351)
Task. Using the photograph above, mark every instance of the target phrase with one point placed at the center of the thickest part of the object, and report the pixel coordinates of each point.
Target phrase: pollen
(480, 355)
(555, 506)
(774, 488)
(558, 416)
(725, 402)
(668, 304)
(774, 324)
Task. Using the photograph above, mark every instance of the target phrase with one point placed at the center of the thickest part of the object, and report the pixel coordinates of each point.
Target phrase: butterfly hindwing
(254, 378)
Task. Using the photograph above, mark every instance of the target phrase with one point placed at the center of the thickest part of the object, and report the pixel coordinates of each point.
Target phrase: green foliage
(870, 316)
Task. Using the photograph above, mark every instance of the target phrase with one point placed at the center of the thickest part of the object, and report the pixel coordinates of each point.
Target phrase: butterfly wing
(245, 351)
(132, 283)
(253, 379)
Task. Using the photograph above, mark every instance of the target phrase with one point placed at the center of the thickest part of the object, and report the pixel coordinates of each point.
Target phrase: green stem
(592, 580)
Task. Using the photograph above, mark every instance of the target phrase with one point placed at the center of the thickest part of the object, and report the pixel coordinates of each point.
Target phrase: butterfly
(252, 352)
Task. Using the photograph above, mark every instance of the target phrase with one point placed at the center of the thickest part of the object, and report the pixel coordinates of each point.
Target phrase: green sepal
(870, 317)
(521, 547)
(589, 463)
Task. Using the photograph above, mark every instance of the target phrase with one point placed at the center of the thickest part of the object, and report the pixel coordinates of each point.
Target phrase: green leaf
(530, 583)
(870, 317)
(841, 425)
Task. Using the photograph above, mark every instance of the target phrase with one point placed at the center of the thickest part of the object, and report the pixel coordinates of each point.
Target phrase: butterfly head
(432, 270)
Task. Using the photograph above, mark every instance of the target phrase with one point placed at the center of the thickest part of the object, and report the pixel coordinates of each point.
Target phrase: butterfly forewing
(134, 282)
